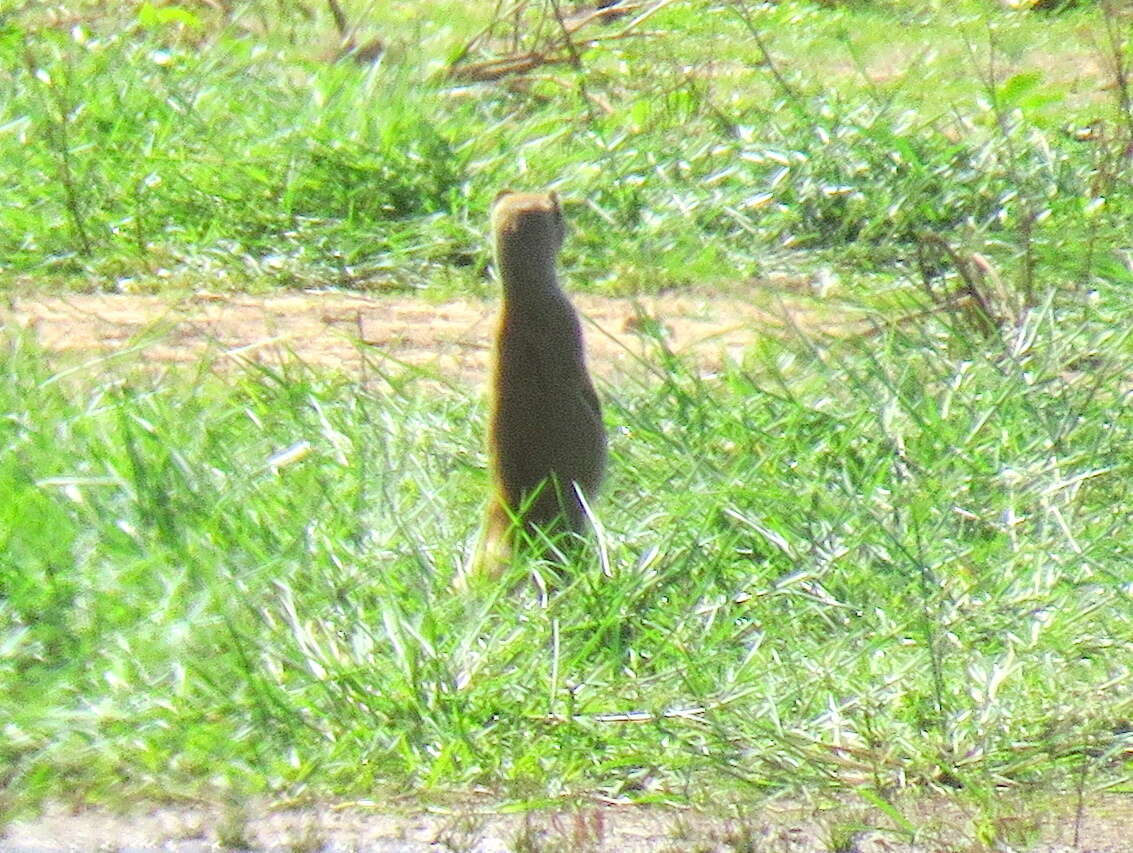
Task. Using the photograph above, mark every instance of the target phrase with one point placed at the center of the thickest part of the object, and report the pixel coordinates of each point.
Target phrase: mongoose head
(528, 227)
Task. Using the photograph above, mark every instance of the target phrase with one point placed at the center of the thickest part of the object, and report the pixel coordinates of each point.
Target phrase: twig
(568, 42)
(1027, 213)
(496, 69)
(564, 48)
(985, 319)
(792, 95)
(1120, 67)
(347, 44)
(628, 716)
(340, 21)
(59, 138)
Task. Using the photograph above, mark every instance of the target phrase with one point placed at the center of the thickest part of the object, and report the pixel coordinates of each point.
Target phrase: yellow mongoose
(545, 434)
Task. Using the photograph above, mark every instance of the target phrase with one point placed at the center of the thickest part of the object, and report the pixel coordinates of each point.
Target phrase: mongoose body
(545, 433)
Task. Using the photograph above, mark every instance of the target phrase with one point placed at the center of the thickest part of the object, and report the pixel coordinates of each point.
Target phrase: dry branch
(559, 47)
(980, 301)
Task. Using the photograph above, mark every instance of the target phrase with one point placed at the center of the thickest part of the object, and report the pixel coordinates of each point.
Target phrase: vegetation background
(845, 566)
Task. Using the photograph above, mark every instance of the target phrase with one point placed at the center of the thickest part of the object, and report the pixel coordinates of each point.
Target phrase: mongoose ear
(554, 197)
(501, 194)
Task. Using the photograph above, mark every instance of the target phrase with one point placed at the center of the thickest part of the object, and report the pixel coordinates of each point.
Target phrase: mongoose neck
(528, 276)
(528, 229)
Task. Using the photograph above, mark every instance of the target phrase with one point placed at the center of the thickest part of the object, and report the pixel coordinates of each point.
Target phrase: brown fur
(545, 433)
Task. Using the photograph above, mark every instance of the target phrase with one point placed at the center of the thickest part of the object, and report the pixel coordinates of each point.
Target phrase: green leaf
(151, 16)
(1018, 85)
(10, 38)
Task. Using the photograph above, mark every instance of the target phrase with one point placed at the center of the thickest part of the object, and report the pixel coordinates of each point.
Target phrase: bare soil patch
(344, 331)
(940, 826)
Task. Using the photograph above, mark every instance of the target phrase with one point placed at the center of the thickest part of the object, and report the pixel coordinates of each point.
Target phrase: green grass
(147, 153)
(864, 568)
(892, 561)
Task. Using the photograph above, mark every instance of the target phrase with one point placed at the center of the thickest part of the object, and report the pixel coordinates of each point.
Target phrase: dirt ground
(449, 339)
(941, 827)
